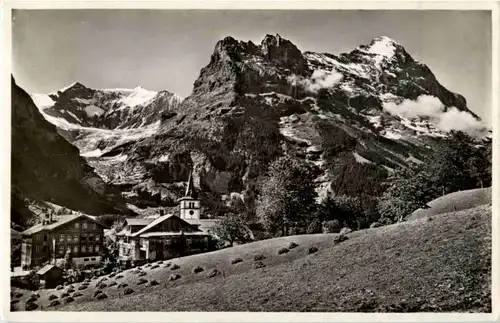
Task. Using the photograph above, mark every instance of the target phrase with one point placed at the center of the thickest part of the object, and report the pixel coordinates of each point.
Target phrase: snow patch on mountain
(138, 96)
(320, 79)
(42, 101)
(360, 159)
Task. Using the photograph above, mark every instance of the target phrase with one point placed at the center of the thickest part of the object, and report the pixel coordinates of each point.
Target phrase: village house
(168, 235)
(49, 241)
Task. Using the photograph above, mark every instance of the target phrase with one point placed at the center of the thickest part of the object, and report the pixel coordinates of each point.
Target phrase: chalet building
(168, 235)
(49, 241)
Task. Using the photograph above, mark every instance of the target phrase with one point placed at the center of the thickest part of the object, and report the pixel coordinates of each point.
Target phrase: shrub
(282, 250)
(52, 297)
(314, 227)
(175, 267)
(77, 294)
(174, 277)
(258, 264)
(345, 230)
(70, 290)
(54, 303)
(35, 295)
(112, 275)
(197, 269)
(212, 273)
(153, 283)
(69, 300)
(292, 245)
(259, 257)
(128, 291)
(102, 296)
(236, 260)
(122, 285)
(340, 238)
(168, 264)
(18, 295)
(332, 226)
(30, 306)
(312, 250)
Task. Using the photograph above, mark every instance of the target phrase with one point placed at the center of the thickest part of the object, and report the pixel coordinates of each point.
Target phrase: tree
(68, 260)
(231, 228)
(287, 198)
(347, 210)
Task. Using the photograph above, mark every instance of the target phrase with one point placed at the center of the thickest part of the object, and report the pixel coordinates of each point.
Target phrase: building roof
(46, 269)
(208, 223)
(63, 219)
(162, 234)
(193, 221)
(138, 221)
(156, 222)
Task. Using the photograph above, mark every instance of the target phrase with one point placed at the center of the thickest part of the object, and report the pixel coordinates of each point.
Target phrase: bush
(312, 250)
(168, 264)
(175, 267)
(314, 227)
(174, 277)
(292, 245)
(112, 275)
(340, 238)
(102, 285)
(197, 269)
(64, 295)
(128, 291)
(142, 274)
(212, 273)
(282, 251)
(258, 264)
(54, 303)
(332, 226)
(259, 257)
(236, 260)
(142, 281)
(345, 230)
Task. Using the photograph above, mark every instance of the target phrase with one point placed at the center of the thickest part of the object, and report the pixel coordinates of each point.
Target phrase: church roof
(190, 189)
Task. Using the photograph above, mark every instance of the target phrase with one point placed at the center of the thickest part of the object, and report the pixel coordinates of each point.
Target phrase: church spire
(190, 190)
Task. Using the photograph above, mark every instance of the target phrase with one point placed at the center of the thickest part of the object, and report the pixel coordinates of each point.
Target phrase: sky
(166, 49)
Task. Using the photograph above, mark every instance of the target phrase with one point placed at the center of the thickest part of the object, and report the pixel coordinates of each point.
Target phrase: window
(37, 248)
(61, 237)
(75, 249)
(85, 259)
(91, 237)
(93, 258)
(44, 249)
(169, 242)
(83, 237)
(94, 226)
(83, 249)
(84, 225)
(45, 237)
(61, 249)
(91, 248)
(77, 225)
(97, 248)
(97, 237)
(189, 241)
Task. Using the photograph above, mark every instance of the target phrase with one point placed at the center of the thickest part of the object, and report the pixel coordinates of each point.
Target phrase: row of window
(85, 225)
(77, 237)
(62, 249)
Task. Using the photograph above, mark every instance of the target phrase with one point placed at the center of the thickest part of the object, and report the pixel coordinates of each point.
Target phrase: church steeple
(190, 190)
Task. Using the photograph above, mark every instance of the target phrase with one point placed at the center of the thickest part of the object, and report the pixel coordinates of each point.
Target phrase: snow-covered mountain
(355, 115)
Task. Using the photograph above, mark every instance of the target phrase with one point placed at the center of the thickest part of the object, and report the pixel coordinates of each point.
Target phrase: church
(168, 235)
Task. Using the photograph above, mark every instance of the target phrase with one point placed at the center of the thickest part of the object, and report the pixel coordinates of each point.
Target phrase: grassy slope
(438, 264)
(454, 202)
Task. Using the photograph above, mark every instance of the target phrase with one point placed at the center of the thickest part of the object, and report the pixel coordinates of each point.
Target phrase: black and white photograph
(252, 160)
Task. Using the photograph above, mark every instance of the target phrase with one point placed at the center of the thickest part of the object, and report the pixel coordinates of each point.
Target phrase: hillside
(47, 168)
(438, 264)
(454, 202)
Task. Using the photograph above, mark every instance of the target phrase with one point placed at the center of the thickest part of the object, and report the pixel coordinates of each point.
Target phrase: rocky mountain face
(356, 116)
(47, 168)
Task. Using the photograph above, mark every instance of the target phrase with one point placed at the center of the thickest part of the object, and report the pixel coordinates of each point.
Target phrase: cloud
(319, 80)
(432, 108)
